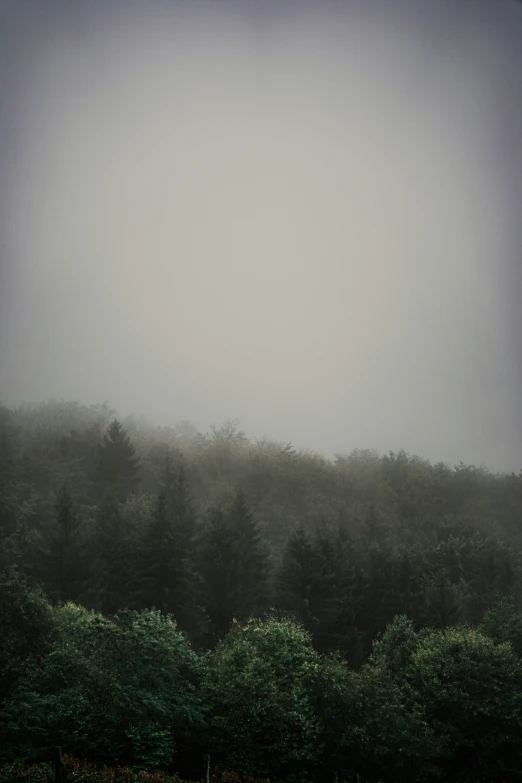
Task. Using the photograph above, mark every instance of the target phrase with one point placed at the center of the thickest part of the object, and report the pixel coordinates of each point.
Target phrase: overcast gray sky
(306, 215)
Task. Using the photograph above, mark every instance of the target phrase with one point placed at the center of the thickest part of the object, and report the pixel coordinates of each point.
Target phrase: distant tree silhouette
(62, 562)
(112, 561)
(117, 466)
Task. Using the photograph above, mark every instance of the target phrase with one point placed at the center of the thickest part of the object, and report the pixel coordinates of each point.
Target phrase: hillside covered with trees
(168, 593)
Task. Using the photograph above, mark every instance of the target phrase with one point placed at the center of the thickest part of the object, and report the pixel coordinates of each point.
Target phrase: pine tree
(169, 474)
(300, 580)
(233, 564)
(490, 573)
(62, 561)
(180, 502)
(9, 496)
(117, 466)
(444, 601)
(216, 561)
(158, 559)
(409, 584)
(335, 603)
(249, 570)
(113, 566)
(379, 602)
(170, 580)
(186, 590)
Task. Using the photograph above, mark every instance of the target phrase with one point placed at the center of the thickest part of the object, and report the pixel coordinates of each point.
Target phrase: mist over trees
(168, 593)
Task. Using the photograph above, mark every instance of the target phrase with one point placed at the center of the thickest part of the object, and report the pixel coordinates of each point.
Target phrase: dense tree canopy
(194, 593)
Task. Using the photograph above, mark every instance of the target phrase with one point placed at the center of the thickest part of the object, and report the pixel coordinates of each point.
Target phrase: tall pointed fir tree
(444, 601)
(187, 588)
(377, 588)
(169, 473)
(299, 580)
(335, 601)
(215, 564)
(158, 556)
(62, 562)
(408, 582)
(170, 581)
(233, 564)
(113, 568)
(117, 466)
(250, 565)
(9, 492)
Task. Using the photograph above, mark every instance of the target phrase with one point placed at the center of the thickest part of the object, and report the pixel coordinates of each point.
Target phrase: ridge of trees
(129, 690)
(215, 528)
(387, 592)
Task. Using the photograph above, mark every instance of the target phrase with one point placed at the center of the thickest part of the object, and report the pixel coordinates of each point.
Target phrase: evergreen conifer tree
(170, 581)
(187, 588)
(233, 564)
(444, 601)
(9, 497)
(169, 473)
(62, 561)
(249, 571)
(377, 588)
(300, 579)
(216, 561)
(117, 466)
(335, 602)
(113, 567)
(158, 556)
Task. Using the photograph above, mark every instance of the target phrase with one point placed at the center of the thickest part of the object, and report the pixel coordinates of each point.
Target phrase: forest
(168, 595)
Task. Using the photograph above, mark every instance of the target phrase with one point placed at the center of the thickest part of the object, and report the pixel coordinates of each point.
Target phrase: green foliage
(233, 563)
(159, 554)
(25, 623)
(503, 623)
(120, 690)
(368, 552)
(472, 692)
(130, 690)
(19, 500)
(396, 646)
(258, 696)
(62, 562)
(80, 772)
(117, 466)
(336, 602)
(300, 579)
(372, 725)
(10, 495)
(169, 578)
(249, 567)
(444, 601)
(215, 564)
(112, 562)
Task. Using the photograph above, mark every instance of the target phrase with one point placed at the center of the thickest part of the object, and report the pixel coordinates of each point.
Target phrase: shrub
(80, 772)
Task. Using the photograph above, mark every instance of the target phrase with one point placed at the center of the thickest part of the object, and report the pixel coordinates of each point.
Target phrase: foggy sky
(303, 215)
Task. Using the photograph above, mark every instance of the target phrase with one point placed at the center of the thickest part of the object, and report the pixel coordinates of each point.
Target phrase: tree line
(377, 564)
(130, 690)
(216, 528)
